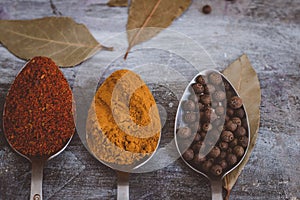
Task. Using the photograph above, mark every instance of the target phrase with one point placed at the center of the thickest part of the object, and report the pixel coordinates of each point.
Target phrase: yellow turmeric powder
(123, 124)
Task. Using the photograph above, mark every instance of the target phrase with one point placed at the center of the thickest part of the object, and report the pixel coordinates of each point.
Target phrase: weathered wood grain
(267, 31)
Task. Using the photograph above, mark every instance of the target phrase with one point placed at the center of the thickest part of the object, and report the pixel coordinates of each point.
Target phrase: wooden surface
(267, 31)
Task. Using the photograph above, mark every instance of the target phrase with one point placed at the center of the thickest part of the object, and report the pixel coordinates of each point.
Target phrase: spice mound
(38, 115)
(123, 125)
(215, 134)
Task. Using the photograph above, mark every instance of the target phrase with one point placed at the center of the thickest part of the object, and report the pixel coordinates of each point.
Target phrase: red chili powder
(38, 115)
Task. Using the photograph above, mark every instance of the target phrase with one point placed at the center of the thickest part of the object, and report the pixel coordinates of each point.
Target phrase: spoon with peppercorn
(212, 128)
(38, 116)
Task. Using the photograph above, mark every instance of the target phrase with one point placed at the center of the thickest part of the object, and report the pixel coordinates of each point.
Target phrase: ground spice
(123, 125)
(38, 115)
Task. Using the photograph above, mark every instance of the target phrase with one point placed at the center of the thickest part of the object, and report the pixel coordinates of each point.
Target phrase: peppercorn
(219, 95)
(238, 151)
(240, 131)
(230, 126)
(233, 143)
(243, 141)
(209, 89)
(229, 112)
(199, 158)
(198, 88)
(206, 9)
(235, 102)
(227, 86)
(201, 79)
(190, 117)
(188, 105)
(215, 78)
(206, 127)
(215, 152)
(223, 164)
(237, 121)
(188, 154)
(184, 132)
(227, 136)
(239, 113)
(197, 146)
(223, 145)
(207, 165)
(219, 110)
(205, 99)
(231, 159)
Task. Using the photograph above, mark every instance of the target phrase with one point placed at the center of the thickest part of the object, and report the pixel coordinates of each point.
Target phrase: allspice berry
(205, 99)
(235, 102)
(240, 131)
(231, 159)
(229, 112)
(188, 155)
(223, 164)
(206, 9)
(184, 132)
(215, 152)
(201, 79)
(216, 170)
(219, 95)
(227, 136)
(239, 113)
(206, 127)
(188, 105)
(238, 151)
(197, 146)
(222, 155)
(207, 165)
(197, 137)
(190, 117)
(220, 110)
(230, 126)
(233, 143)
(237, 121)
(198, 88)
(243, 141)
(223, 145)
(215, 78)
(199, 158)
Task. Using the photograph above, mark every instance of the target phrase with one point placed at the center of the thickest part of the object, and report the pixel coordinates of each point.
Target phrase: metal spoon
(216, 182)
(37, 162)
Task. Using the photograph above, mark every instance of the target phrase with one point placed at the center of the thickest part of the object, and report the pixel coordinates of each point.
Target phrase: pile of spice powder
(38, 115)
(123, 125)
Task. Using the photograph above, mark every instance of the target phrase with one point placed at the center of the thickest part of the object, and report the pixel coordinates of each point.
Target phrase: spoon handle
(216, 190)
(123, 186)
(36, 179)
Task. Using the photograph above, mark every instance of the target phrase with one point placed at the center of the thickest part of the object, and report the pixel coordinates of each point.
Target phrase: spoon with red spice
(212, 128)
(38, 116)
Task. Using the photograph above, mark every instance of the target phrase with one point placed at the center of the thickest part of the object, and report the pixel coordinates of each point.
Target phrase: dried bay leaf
(244, 78)
(60, 38)
(158, 14)
(117, 3)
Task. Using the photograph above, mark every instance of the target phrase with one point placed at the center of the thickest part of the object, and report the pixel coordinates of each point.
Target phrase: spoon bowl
(208, 149)
(27, 126)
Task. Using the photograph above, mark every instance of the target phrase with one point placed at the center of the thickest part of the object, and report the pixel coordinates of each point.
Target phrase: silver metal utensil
(216, 181)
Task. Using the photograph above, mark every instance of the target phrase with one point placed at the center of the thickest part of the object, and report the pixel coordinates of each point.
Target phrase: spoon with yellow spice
(123, 125)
